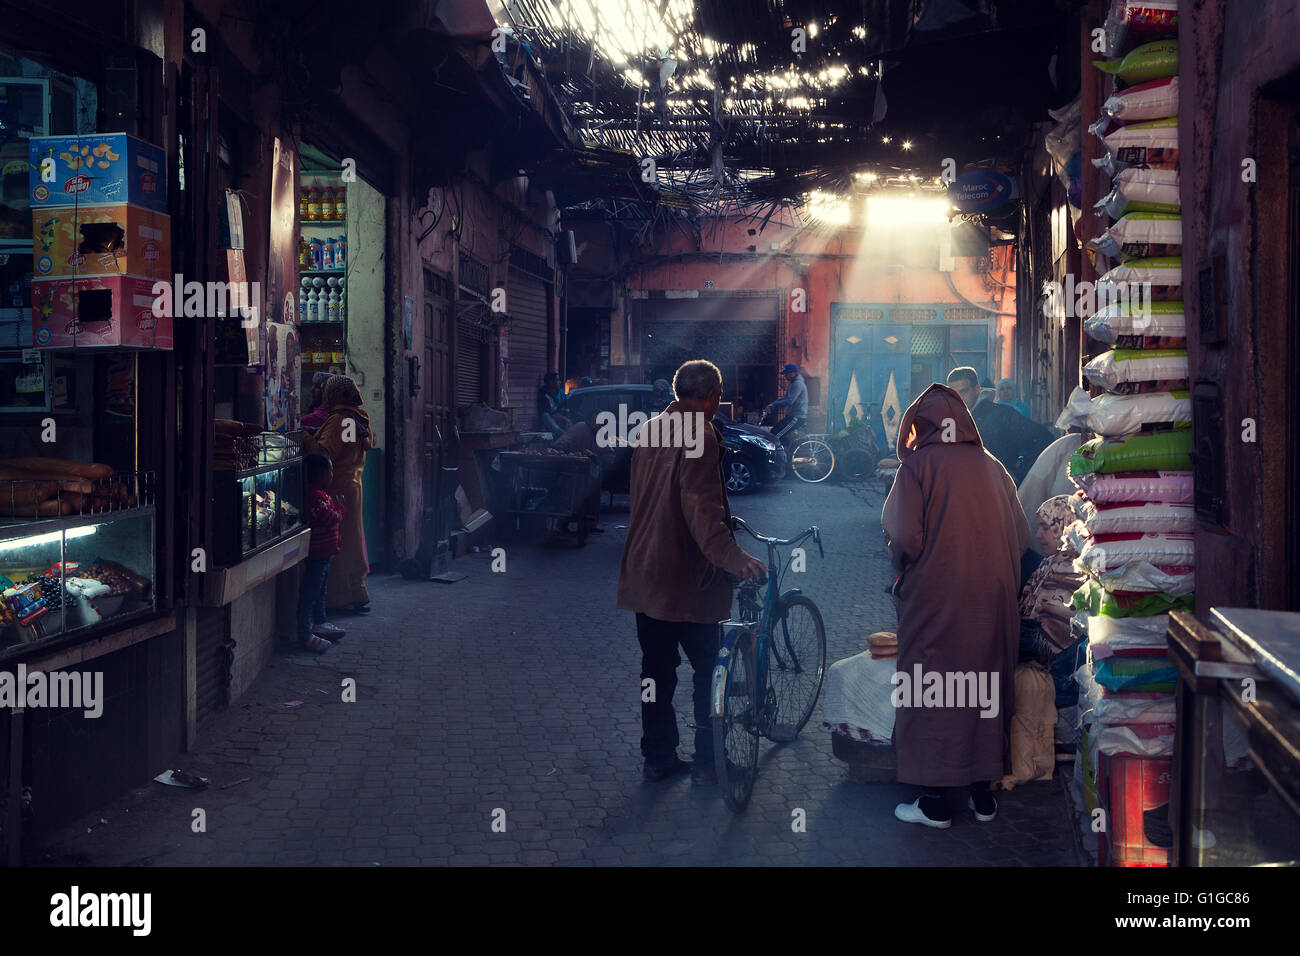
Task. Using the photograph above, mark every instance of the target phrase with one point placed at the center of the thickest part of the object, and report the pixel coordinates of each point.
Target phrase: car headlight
(763, 443)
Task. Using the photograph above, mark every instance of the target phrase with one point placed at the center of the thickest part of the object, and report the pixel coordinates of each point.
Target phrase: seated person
(582, 437)
(549, 396)
(1045, 602)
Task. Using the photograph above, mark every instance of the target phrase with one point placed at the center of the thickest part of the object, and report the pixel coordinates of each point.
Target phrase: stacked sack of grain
(1134, 507)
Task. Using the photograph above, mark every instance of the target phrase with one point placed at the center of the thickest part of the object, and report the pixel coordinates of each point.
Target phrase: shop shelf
(322, 222)
(69, 574)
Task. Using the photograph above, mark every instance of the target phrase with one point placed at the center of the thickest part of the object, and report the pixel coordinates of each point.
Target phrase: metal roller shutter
(527, 344)
(213, 656)
(469, 362)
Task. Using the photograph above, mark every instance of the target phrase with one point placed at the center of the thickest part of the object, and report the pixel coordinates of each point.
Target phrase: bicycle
(769, 671)
(855, 452)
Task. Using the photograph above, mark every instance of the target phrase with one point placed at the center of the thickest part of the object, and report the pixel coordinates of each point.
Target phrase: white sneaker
(982, 817)
(329, 630)
(912, 813)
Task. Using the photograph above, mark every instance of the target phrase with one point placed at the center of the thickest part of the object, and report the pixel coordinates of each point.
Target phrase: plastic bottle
(327, 205)
(341, 203)
(332, 306)
(327, 253)
(316, 253)
(343, 299)
(341, 253)
(313, 204)
(303, 204)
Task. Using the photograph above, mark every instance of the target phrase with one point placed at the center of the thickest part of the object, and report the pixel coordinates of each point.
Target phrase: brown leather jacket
(679, 537)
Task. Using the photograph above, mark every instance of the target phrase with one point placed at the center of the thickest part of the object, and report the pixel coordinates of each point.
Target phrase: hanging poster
(283, 372)
(282, 263)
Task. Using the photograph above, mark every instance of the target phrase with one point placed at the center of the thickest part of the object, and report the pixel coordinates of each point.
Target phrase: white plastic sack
(1130, 281)
(1142, 190)
(1149, 516)
(1115, 415)
(1145, 578)
(1126, 633)
(857, 693)
(1155, 99)
(1151, 319)
(1136, 365)
(1147, 145)
(1109, 552)
(1142, 235)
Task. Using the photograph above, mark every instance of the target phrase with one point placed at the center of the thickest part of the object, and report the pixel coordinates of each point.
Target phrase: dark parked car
(751, 457)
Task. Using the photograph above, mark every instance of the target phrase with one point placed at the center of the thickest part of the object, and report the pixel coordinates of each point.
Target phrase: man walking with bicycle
(794, 403)
(679, 554)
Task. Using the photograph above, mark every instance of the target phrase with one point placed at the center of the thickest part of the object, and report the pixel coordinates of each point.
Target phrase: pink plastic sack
(1173, 487)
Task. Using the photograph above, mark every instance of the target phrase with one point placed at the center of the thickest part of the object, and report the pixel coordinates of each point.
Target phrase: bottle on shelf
(304, 254)
(304, 293)
(327, 204)
(341, 203)
(340, 253)
(313, 204)
(343, 299)
(316, 253)
(303, 203)
(327, 253)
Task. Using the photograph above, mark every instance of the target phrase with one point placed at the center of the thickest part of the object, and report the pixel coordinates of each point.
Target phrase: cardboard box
(98, 312)
(83, 241)
(95, 169)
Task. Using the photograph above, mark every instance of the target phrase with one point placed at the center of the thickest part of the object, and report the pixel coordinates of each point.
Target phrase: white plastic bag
(1146, 145)
(1142, 190)
(1155, 99)
(1114, 415)
(1153, 320)
(1118, 366)
(1142, 235)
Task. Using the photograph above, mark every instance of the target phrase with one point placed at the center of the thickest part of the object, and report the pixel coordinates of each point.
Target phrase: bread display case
(74, 560)
(260, 501)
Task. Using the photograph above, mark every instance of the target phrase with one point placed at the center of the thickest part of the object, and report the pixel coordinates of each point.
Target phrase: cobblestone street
(520, 691)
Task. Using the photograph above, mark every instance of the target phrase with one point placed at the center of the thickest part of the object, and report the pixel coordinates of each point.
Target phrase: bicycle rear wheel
(735, 729)
(812, 460)
(796, 666)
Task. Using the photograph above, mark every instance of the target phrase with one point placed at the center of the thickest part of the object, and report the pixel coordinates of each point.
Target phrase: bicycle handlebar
(738, 523)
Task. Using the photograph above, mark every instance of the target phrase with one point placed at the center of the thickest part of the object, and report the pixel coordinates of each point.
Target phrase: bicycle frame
(733, 630)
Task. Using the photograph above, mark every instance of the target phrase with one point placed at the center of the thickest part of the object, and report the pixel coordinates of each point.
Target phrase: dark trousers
(659, 660)
(311, 598)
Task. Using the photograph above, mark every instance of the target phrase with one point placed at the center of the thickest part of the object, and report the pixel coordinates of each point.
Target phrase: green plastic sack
(1157, 451)
(1095, 599)
(1151, 61)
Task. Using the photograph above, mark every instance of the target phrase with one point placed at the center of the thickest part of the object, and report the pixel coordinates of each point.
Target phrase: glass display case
(1237, 753)
(76, 570)
(264, 499)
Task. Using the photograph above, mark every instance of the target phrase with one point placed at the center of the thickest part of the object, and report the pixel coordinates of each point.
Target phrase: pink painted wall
(843, 266)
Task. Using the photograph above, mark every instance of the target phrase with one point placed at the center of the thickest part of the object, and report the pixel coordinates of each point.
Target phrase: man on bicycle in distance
(795, 404)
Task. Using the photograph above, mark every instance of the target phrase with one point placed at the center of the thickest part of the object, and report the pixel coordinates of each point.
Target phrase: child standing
(323, 516)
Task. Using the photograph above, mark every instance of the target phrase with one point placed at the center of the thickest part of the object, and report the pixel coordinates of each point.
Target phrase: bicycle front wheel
(812, 460)
(796, 666)
(735, 729)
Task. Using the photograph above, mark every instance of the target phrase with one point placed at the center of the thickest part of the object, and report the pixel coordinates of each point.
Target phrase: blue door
(865, 355)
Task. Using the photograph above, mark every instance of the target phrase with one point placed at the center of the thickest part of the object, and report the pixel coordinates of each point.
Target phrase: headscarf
(341, 391)
(1015, 402)
(342, 395)
(320, 378)
(1056, 513)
